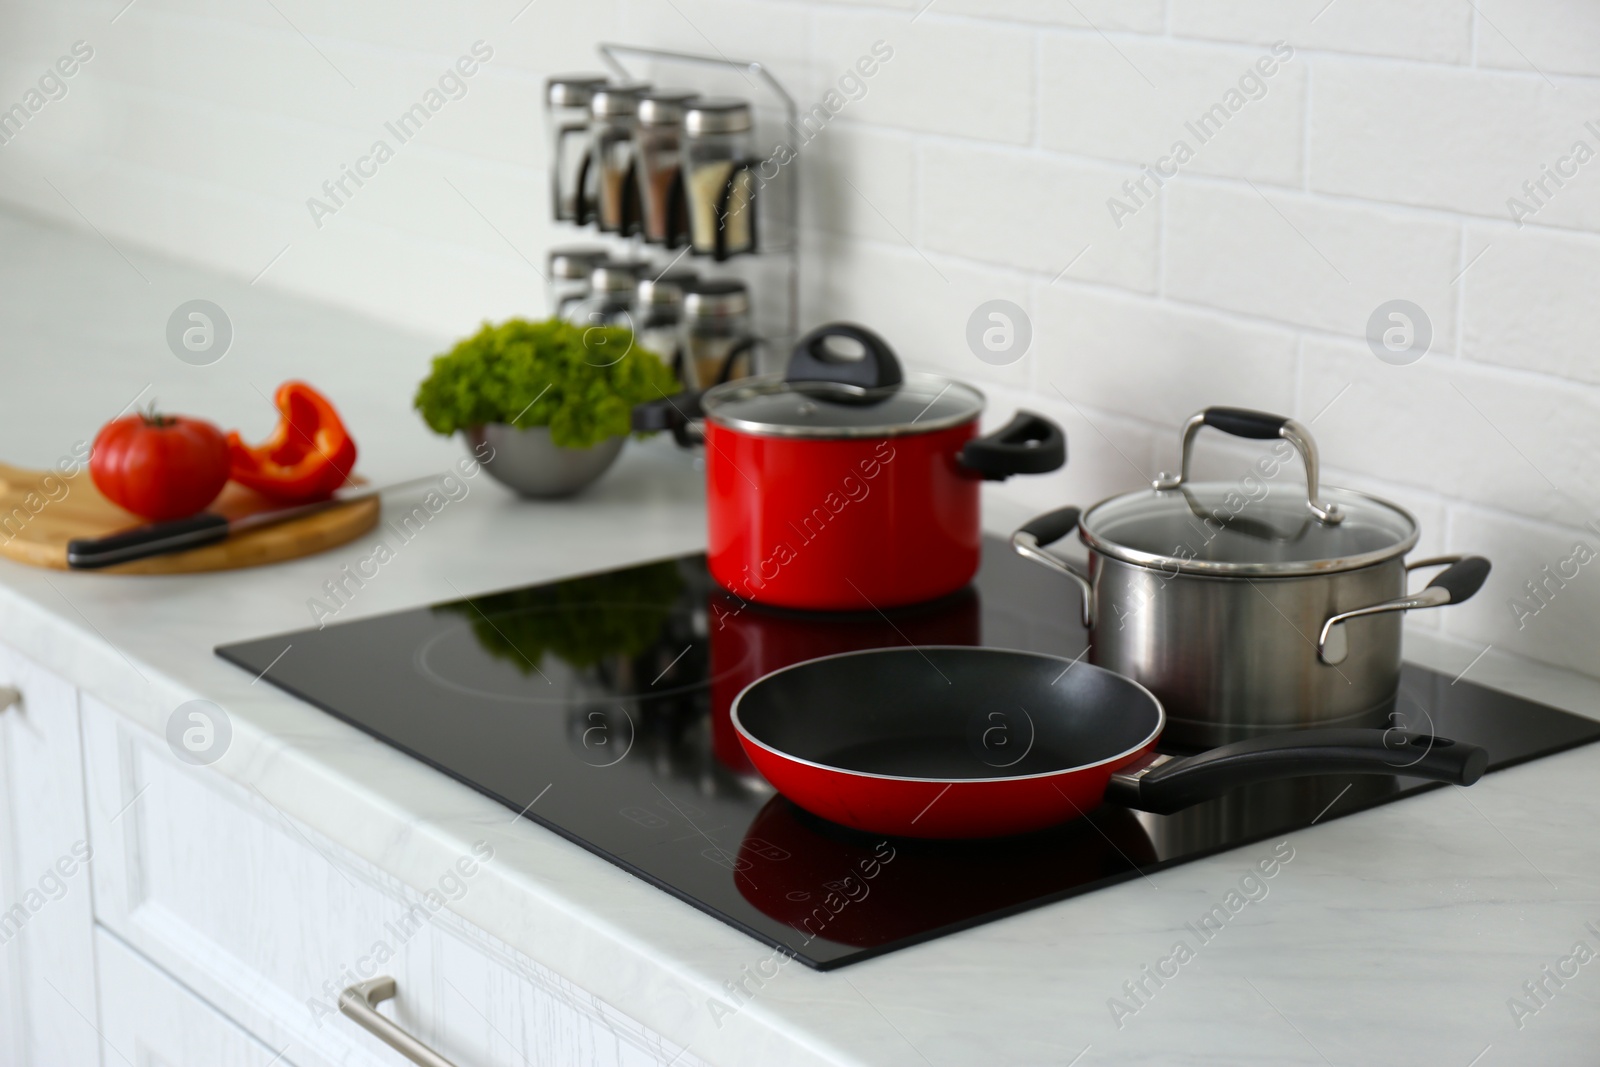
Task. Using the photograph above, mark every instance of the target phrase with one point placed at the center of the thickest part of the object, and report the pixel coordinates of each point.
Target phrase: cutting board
(39, 517)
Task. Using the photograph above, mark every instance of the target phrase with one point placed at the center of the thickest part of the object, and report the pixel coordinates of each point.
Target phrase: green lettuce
(581, 381)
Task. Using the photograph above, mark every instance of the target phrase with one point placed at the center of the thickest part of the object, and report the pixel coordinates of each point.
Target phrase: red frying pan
(953, 741)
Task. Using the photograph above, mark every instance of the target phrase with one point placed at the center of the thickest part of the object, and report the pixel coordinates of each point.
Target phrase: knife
(206, 528)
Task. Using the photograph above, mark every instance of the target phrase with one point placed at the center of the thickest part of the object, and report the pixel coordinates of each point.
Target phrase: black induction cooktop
(598, 708)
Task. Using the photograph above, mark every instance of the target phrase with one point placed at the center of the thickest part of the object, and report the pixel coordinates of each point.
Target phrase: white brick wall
(1555, 36)
(1438, 30)
(978, 166)
(1450, 138)
(1019, 208)
(1132, 102)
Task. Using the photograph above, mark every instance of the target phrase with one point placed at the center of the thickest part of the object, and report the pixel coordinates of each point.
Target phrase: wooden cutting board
(38, 518)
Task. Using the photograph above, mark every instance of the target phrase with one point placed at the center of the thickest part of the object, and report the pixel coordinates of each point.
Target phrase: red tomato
(159, 466)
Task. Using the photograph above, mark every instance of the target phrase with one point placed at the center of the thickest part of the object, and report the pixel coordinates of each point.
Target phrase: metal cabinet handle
(359, 1003)
(10, 696)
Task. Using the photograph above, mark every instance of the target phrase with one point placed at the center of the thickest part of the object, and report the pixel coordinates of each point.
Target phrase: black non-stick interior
(948, 713)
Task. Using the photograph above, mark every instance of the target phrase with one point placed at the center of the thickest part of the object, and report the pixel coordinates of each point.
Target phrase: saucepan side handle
(680, 415)
(1028, 444)
(1029, 542)
(1464, 577)
(1165, 785)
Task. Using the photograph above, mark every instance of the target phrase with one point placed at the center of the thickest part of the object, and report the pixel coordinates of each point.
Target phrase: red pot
(848, 485)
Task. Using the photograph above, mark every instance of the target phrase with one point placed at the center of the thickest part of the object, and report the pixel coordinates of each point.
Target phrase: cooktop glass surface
(598, 708)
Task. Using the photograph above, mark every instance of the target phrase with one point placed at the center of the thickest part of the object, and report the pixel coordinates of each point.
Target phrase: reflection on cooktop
(606, 700)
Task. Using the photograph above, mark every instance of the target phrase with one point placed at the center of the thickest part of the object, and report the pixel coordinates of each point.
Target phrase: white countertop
(1393, 936)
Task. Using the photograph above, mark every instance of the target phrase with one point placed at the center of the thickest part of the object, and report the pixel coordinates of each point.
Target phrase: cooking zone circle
(458, 660)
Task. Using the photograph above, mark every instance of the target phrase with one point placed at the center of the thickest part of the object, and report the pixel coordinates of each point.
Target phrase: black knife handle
(141, 542)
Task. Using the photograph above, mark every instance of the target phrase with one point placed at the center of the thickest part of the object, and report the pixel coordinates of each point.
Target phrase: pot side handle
(679, 414)
(1029, 542)
(1166, 785)
(1464, 577)
(1028, 444)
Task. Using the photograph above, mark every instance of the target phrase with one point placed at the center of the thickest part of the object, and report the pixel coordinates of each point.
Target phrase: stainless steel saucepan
(1247, 604)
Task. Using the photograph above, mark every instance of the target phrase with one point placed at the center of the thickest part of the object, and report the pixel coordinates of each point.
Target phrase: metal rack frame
(610, 51)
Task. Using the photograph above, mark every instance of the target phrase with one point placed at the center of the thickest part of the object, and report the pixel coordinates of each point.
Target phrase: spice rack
(784, 244)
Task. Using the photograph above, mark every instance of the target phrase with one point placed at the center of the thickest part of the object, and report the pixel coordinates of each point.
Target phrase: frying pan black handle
(878, 368)
(1243, 422)
(1028, 444)
(1182, 782)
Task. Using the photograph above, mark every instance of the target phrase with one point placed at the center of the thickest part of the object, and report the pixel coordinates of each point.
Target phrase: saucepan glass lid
(1260, 528)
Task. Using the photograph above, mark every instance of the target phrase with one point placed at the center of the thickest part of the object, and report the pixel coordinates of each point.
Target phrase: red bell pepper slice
(308, 455)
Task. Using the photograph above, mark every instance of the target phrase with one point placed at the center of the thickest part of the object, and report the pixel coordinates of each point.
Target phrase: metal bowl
(528, 462)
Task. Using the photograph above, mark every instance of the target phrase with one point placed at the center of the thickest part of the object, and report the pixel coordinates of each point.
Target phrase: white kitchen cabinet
(226, 930)
(149, 1020)
(267, 921)
(47, 977)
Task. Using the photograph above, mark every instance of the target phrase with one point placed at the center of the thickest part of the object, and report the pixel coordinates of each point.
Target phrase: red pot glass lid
(771, 406)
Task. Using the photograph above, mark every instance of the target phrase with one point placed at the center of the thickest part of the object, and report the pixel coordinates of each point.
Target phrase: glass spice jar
(614, 112)
(660, 141)
(720, 183)
(566, 106)
(612, 284)
(718, 345)
(658, 309)
(568, 276)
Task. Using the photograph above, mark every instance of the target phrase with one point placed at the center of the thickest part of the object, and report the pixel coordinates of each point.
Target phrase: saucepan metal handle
(1260, 426)
(1030, 541)
(1165, 784)
(1464, 576)
(359, 1003)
